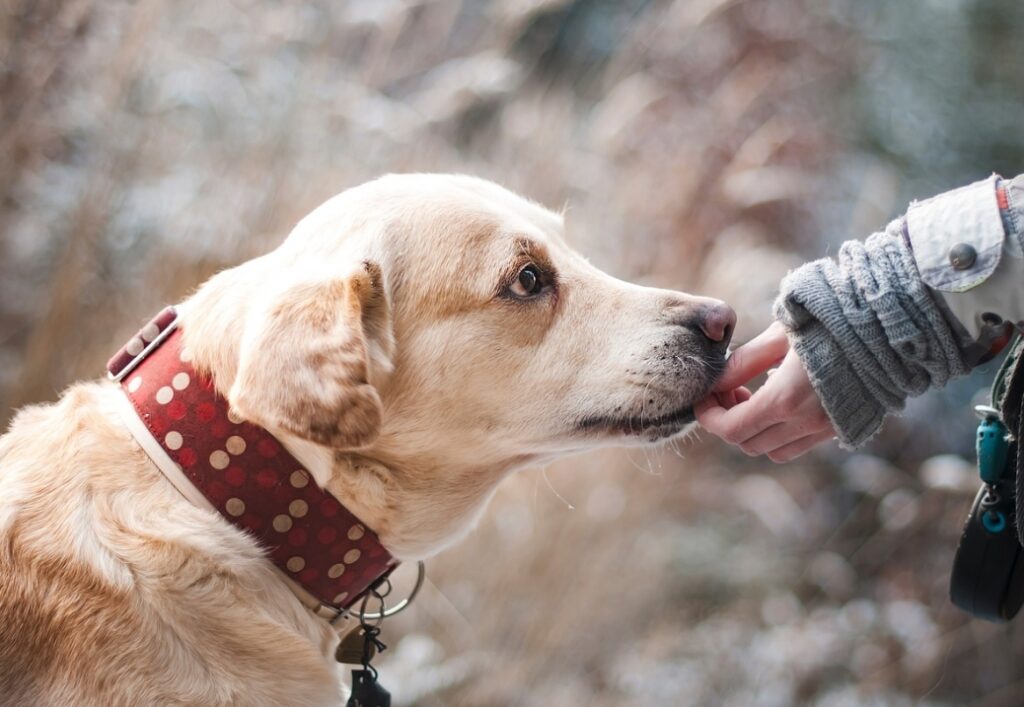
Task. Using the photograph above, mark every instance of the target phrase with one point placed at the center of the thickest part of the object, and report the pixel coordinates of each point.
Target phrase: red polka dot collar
(241, 471)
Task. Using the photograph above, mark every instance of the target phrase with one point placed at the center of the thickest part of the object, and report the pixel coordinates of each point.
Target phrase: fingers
(731, 398)
(755, 357)
(783, 419)
(726, 399)
(738, 423)
(777, 435)
(801, 425)
(791, 451)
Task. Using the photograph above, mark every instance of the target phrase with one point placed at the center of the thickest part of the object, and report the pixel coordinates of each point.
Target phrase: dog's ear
(306, 355)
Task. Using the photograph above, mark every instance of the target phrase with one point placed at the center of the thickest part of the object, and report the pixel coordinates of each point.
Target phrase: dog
(412, 342)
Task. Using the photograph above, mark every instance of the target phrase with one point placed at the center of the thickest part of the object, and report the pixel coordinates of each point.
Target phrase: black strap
(1008, 396)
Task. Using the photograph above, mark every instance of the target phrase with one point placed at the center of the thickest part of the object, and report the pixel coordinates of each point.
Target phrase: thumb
(754, 358)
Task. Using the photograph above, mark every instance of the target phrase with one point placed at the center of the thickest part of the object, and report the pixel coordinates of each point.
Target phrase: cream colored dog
(412, 342)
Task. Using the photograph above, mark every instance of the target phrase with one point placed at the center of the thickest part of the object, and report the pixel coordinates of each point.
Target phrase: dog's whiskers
(544, 473)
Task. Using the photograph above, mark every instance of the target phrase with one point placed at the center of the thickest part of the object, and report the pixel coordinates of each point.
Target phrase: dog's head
(440, 326)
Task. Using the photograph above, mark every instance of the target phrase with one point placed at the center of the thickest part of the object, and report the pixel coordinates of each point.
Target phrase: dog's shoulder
(112, 585)
(57, 612)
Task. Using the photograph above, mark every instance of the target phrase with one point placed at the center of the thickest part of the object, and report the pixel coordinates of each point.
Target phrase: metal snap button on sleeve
(962, 256)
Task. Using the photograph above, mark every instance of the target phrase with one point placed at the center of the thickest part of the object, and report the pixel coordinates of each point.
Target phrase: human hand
(783, 419)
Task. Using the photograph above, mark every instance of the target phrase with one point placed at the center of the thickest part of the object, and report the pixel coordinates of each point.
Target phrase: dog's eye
(528, 282)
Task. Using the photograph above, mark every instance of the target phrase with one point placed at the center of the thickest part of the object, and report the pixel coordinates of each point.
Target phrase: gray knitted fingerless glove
(868, 331)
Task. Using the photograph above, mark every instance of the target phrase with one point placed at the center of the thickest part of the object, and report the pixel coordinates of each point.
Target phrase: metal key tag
(353, 644)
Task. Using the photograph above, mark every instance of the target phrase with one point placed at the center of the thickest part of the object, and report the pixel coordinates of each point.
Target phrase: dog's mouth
(653, 426)
(647, 426)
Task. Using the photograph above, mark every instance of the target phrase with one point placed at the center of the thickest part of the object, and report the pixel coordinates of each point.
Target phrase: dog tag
(366, 691)
(351, 648)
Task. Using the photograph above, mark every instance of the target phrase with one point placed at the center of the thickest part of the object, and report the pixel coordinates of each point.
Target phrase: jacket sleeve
(910, 307)
(968, 248)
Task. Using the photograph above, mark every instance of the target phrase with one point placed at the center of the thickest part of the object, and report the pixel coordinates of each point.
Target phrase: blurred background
(705, 145)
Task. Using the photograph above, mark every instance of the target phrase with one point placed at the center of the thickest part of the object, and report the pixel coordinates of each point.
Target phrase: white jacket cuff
(967, 246)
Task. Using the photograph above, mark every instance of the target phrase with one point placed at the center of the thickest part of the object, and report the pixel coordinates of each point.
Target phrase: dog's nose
(718, 321)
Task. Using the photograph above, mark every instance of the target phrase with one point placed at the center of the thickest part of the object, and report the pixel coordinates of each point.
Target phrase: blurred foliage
(942, 91)
(706, 145)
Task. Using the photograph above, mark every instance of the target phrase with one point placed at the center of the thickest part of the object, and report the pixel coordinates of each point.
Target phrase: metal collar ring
(366, 617)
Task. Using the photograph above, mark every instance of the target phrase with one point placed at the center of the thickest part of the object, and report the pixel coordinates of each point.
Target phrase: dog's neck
(417, 506)
(402, 502)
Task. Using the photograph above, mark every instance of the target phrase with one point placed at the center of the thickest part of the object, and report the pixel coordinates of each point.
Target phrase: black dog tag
(366, 691)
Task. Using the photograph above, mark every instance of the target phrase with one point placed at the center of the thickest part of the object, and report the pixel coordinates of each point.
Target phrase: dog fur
(386, 345)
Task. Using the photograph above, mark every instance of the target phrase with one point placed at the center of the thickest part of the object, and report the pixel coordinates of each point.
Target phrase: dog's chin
(649, 428)
(645, 426)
